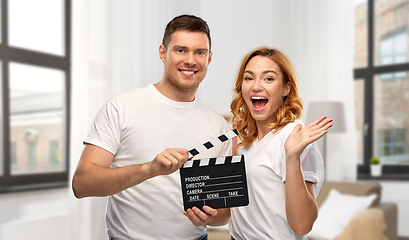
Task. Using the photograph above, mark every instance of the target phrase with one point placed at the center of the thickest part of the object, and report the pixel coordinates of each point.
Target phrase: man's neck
(174, 93)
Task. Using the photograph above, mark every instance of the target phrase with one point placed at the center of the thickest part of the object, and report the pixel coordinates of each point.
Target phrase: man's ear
(210, 57)
(162, 53)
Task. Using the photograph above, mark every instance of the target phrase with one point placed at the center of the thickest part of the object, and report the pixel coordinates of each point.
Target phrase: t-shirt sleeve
(105, 131)
(311, 162)
(312, 166)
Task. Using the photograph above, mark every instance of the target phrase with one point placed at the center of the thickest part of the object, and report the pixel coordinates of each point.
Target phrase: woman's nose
(257, 85)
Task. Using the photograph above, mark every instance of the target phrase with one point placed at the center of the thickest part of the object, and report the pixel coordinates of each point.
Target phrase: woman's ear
(287, 89)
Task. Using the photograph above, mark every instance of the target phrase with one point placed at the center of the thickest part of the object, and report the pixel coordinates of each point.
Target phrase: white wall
(398, 192)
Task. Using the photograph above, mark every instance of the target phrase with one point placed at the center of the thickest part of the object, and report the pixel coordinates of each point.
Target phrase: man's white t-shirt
(137, 125)
(265, 216)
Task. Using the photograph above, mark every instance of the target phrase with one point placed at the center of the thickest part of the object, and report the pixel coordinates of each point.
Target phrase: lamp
(333, 110)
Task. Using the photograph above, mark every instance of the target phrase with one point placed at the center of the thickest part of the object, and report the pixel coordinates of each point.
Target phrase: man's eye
(180, 50)
(200, 53)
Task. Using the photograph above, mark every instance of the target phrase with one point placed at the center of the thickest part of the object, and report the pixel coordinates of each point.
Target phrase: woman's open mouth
(259, 103)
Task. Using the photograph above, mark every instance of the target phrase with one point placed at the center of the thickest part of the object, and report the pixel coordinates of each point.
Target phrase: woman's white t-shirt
(265, 216)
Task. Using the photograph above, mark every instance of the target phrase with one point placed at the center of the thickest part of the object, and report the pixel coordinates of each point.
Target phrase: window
(13, 154)
(393, 50)
(392, 146)
(54, 154)
(32, 158)
(35, 84)
(382, 86)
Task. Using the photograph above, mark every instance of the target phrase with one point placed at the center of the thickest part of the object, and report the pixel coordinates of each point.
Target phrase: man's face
(185, 60)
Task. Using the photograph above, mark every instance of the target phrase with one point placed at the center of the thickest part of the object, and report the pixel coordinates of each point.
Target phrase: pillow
(335, 213)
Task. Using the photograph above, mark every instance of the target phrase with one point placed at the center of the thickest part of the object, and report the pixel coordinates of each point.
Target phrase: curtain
(318, 38)
(115, 48)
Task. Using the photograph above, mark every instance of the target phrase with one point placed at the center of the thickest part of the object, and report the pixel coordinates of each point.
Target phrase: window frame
(23, 182)
(367, 74)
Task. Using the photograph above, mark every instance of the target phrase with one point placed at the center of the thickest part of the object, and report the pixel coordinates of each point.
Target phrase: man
(139, 140)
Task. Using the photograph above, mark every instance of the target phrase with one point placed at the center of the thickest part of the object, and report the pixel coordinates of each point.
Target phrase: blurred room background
(62, 59)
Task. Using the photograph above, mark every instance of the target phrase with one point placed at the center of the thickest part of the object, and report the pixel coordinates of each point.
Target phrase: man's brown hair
(186, 22)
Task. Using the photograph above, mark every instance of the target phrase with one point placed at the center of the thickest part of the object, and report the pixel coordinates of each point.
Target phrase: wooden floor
(216, 234)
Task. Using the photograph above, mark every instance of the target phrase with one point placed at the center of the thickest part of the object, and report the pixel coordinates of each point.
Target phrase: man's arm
(94, 177)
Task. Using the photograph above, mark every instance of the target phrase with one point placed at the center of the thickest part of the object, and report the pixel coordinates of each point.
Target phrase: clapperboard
(218, 182)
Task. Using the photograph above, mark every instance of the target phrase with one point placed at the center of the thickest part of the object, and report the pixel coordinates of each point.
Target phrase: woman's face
(263, 89)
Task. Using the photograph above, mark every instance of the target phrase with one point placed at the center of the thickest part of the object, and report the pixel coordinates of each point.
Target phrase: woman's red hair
(288, 112)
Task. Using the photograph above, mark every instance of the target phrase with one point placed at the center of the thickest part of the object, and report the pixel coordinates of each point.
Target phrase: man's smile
(188, 72)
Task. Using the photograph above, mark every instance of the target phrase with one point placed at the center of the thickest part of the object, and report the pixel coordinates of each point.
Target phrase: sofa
(378, 218)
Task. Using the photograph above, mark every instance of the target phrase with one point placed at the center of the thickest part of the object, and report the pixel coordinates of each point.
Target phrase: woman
(284, 170)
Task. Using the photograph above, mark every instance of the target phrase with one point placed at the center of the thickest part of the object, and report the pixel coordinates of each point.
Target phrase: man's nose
(190, 59)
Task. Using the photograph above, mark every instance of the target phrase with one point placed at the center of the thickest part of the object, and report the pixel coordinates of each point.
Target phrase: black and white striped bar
(217, 161)
(222, 138)
(218, 182)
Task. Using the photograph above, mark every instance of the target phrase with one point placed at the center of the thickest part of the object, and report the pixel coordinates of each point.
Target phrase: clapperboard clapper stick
(218, 182)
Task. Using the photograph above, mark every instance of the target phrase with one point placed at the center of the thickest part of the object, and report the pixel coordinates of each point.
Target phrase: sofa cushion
(366, 225)
(335, 213)
(361, 188)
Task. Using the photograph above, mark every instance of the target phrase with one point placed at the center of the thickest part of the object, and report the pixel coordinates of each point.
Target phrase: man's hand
(301, 137)
(199, 218)
(168, 161)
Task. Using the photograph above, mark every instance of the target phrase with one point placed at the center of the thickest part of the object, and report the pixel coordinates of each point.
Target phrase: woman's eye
(269, 79)
(248, 78)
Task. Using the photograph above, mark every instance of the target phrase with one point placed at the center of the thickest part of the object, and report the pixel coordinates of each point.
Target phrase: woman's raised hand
(301, 137)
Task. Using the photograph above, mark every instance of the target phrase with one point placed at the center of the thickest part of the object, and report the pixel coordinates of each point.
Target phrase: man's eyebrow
(184, 47)
(203, 49)
(179, 46)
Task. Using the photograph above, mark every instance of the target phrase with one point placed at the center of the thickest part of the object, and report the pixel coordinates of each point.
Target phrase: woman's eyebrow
(264, 72)
(269, 71)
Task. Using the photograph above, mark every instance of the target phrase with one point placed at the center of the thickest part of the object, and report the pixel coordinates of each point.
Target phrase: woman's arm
(301, 206)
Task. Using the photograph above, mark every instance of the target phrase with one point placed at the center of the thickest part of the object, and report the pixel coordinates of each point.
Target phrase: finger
(204, 217)
(184, 152)
(325, 122)
(211, 211)
(318, 120)
(169, 159)
(181, 155)
(323, 126)
(194, 218)
(319, 135)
